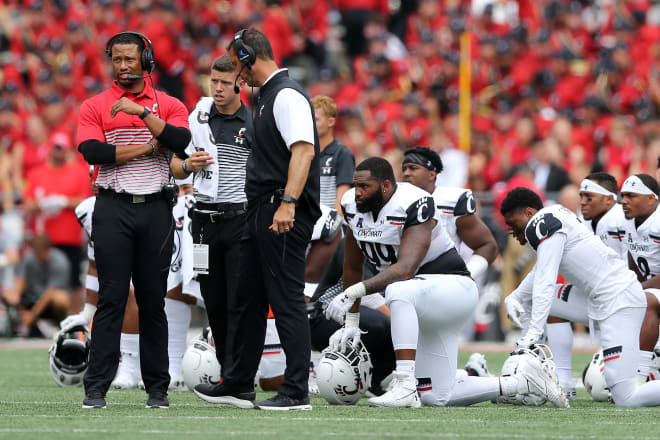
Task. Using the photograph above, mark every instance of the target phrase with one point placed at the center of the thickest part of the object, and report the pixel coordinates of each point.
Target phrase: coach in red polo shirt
(128, 131)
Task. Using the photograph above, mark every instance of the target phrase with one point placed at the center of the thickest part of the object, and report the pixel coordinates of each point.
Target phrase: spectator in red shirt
(53, 191)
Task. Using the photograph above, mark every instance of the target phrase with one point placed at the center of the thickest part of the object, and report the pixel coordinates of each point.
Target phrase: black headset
(147, 57)
(245, 53)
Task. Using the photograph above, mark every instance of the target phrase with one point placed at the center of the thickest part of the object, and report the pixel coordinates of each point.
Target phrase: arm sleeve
(90, 125)
(97, 152)
(176, 138)
(548, 257)
(345, 167)
(523, 292)
(293, 117)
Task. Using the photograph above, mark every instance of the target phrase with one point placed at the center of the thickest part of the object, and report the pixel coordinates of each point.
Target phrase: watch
(286, 198)
(146, 111)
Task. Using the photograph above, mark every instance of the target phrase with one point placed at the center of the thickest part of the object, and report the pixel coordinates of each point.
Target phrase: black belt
(131, 198)
(217, 216)
(220, 207)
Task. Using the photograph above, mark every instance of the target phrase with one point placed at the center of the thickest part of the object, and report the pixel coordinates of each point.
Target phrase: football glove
(340, 338)
(81, 318)
(515, 311)
(528, 339)
(342, 303)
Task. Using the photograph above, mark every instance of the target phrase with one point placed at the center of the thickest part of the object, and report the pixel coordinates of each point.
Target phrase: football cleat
(177, 383)
(535, 379)
(477, 366)
(403, 394)
(128, 374)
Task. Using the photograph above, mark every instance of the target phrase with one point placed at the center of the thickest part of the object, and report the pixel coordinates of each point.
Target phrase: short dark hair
(605, 180)
(520, 198)
(650, 182)
(429, 154)
(127, 38)
(258, 41)
(379, 168)
(223, 64)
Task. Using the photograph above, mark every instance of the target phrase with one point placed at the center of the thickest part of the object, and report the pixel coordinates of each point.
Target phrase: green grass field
(33, 407)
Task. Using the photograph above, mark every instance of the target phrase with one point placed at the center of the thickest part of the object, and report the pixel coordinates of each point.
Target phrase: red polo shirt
(141, 175)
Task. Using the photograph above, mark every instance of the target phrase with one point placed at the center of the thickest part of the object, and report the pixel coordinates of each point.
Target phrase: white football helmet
(344, 377)
(515, 362)
(199, 364)
(69, 356)
(594, 379)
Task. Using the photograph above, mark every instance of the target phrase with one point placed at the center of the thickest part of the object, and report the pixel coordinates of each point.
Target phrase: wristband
(477, 266)
(88, 311)
(153, 147)
(356, 291)
(184, 165)
(92, 283)
(352, 319)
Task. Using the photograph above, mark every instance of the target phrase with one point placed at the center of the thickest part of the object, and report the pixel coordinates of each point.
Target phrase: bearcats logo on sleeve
(465, 205)
(420, 212)
(541, 228)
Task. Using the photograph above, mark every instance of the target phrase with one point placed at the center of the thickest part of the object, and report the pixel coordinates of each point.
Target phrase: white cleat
(402, 394)
(312, 385)
(477, 366)
(125, 381)
(177, 383)
(534, 379)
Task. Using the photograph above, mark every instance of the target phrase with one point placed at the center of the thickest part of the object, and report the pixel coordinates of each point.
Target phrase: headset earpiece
(244, 52)
(147, 56)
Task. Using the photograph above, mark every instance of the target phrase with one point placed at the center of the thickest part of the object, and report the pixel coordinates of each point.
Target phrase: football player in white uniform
(604, 217)
(615, 299)
(427, 288)
(641, 238)
(456, 209)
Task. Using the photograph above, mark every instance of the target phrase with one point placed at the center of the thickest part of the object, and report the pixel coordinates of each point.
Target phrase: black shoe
(219, 393)
(157, 400)
(94, 400)
(280, 402)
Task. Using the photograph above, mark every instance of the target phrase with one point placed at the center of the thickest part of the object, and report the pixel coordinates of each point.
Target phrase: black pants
(219, 286)
(272, 272)
(130, 240)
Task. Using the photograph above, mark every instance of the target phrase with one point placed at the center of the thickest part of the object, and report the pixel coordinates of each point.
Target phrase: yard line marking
(269, 433)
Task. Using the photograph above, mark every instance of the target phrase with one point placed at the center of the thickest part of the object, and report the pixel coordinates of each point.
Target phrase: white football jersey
(84, 212)
(379, 238)
(643, 243)
(451, 204)
(610, 229)
(586, 262)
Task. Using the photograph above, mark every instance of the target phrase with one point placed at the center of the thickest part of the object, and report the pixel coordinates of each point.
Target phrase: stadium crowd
(559, 89)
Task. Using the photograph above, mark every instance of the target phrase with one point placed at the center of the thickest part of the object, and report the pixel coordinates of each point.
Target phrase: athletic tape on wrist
(92, 283)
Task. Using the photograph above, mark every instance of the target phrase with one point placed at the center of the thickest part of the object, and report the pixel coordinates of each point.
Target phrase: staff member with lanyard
(221, 129)
(127, 130)
(282, 187)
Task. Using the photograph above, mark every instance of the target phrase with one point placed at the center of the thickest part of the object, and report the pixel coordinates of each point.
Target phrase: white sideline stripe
(316, 433)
